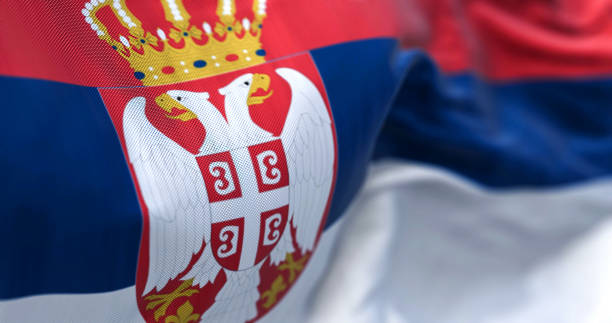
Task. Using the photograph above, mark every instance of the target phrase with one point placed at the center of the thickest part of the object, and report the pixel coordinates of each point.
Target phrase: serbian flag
(305, 161)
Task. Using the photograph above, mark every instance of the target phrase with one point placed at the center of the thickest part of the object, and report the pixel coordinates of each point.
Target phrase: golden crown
(156, 60)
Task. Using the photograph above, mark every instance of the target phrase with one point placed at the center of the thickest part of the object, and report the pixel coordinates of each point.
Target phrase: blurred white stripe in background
(422, 245)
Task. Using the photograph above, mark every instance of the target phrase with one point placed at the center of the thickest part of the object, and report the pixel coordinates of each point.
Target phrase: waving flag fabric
(180, 157)
(187, 161)
(520, 99)
(513, 99)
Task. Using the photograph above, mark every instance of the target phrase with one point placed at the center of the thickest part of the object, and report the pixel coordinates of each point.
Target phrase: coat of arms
(233, 157)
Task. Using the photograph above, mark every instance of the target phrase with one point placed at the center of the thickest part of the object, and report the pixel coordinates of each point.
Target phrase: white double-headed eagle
(175, 195)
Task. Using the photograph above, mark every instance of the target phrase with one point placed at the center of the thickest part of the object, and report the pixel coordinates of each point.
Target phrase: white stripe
(120, 306)
(116, 306)
(423, 245)
(447, 251)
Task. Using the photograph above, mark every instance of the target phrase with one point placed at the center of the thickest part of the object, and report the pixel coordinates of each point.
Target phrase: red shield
(247, 187)
(248, 191)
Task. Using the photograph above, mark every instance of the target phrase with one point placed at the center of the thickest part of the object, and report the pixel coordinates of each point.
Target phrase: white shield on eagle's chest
(248, 192)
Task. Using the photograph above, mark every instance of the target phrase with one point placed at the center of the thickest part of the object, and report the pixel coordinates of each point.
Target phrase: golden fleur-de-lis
(162, 301)
(271, 295)
(293, 266)
(184, 314)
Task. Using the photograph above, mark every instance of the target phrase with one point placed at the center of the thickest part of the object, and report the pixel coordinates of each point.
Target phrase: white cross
(249, 206)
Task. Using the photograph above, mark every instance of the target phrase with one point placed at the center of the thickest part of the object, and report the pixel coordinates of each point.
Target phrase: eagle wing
(175, 196)
(309, 144)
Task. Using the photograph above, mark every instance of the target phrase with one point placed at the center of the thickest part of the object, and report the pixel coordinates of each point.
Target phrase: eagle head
(181, 100)
(245, 88)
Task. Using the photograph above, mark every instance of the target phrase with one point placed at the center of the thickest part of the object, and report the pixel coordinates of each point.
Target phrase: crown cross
(230, 45)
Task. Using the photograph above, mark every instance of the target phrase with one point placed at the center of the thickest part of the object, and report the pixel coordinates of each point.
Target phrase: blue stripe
(360, 80)
(504, 134)
(70, 217)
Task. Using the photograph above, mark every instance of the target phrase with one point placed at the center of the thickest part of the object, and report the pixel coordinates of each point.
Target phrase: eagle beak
(167, 103)
(260, 81)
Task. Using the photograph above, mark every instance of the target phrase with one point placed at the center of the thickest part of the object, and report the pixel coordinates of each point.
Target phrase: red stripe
(51, 40)
(514, 39)
(444, 38)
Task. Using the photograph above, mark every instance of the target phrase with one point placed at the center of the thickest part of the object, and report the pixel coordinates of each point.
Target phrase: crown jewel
(185, 52)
